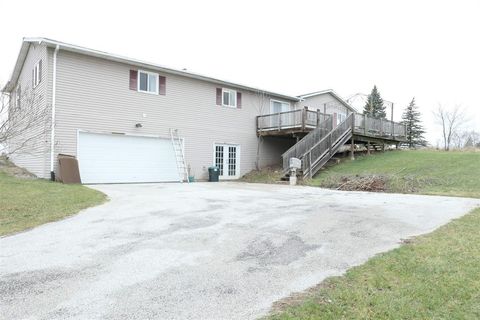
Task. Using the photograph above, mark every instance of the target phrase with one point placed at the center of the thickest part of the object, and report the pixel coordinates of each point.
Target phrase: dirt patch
(10, 169)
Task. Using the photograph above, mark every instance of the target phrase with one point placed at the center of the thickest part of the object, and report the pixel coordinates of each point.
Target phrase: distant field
(435, 276)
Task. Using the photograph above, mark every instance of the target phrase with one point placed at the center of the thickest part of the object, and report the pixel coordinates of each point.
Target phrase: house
(132, 121)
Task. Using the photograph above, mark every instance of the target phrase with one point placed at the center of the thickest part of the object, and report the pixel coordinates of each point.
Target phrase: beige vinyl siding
(93, 94)
(34, 156)
(332, 104)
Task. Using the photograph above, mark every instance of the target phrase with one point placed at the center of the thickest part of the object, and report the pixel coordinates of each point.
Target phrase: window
(229, 98)
(147, 82)
(37, 74)
(341, 117)
(279, 106)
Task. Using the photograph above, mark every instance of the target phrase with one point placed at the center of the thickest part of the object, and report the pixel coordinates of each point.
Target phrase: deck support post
(365, 124)
(352, 149)
(383, 146)
(318, 117)
(304, 117)
(368, 147)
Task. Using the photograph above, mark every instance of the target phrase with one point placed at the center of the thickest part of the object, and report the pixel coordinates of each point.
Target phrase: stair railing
(299, 149)
(324, 149)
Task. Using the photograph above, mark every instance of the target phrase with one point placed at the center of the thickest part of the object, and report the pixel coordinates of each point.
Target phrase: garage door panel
(109, 158)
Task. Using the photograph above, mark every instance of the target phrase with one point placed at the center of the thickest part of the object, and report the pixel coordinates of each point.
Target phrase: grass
(425, 172)
(266, 175)
(26, 203)
(435, 276)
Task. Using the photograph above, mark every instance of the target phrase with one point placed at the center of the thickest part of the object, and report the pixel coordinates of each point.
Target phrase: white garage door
(115, 158)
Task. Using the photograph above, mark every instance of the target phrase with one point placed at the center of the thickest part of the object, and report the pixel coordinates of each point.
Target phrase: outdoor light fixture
(138, 125)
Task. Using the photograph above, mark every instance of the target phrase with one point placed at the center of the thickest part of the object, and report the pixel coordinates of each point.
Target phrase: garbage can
(213, 174)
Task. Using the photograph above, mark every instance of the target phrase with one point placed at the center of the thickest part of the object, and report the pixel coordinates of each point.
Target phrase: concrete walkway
(202, 250)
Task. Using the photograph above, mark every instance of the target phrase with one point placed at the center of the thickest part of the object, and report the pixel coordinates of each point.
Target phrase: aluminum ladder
(177, 144)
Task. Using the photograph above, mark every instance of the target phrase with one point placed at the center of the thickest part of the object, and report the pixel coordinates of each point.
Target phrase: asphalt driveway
(202, 250)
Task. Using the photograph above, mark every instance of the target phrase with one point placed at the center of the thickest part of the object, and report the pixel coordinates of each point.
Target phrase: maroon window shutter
(39, 71)
(162, 82)
(219, 96)
(239, 99)
(133, 79)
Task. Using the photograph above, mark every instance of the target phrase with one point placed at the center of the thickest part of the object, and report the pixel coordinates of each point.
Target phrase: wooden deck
(302, 121)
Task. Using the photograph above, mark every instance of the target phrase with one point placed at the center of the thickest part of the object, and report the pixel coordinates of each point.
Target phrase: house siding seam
(93, 94)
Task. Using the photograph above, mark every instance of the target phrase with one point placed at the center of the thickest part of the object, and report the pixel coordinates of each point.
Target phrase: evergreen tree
(411, 119)
(374, 106)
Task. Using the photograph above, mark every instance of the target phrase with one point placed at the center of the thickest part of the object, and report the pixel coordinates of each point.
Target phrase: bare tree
(23, 121)
(451, 120)
(261, 102)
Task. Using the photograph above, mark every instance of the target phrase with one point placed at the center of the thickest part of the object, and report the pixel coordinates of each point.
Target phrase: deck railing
(383, 128)
(296, 119)
(305, 144)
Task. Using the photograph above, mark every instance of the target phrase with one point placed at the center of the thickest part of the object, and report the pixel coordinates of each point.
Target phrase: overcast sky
(426, 49)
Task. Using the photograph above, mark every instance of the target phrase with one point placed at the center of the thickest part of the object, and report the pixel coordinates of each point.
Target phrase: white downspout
(54, 97)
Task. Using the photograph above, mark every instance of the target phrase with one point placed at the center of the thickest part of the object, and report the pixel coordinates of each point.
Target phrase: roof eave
(144, 64)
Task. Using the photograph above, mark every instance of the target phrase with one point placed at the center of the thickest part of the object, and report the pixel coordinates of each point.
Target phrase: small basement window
(148, 82)
(229, 98)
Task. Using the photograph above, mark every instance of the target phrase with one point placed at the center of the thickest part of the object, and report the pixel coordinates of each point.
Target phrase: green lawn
(26, 203)
(435, 276)
(425, 172)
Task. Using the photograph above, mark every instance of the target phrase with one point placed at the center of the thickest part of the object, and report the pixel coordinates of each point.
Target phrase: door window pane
(232, 161)
(219, 158)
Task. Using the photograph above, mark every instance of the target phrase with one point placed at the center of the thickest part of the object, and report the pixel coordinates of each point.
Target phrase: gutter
(54, 97)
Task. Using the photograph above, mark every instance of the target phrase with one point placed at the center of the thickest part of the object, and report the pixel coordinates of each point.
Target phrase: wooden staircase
(320, 145)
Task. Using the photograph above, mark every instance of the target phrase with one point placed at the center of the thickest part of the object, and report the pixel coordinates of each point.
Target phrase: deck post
(279, 121)
(318, 117)
(352, 146)
(365, 124)
(304, 117)
(352, 149)
(381, 127)
(310, 165)
(368, 147)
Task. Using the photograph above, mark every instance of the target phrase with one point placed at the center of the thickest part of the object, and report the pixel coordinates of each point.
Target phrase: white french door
(227, 159)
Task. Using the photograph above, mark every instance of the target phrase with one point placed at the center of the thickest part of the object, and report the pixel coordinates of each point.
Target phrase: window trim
(148, 73)
(234, 94)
